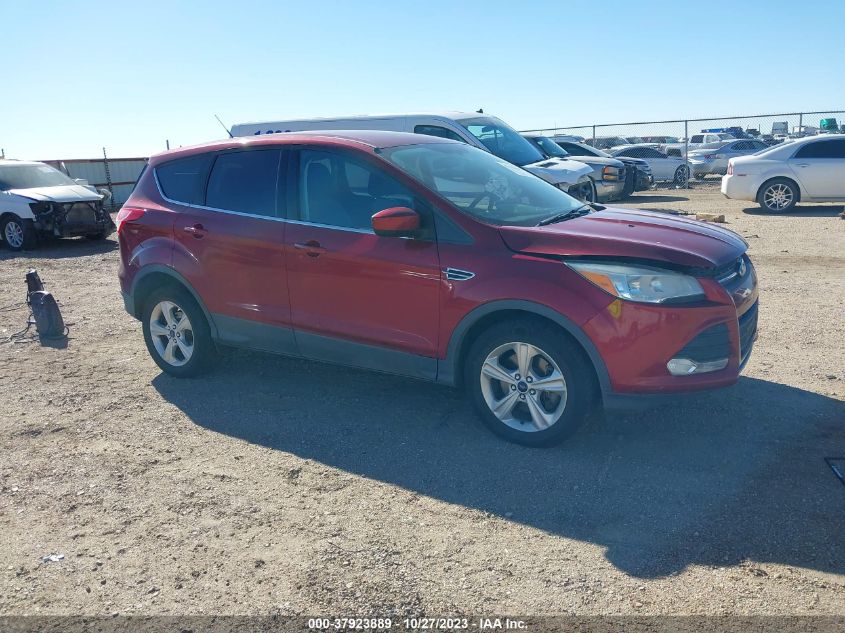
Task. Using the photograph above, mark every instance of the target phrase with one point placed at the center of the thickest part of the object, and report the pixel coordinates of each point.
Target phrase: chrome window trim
(253, 215)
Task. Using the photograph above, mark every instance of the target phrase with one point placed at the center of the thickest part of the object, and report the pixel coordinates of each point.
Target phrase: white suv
(810, 169)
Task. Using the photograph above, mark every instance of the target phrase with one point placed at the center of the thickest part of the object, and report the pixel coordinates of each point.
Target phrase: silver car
(713, 158)
(608, 176)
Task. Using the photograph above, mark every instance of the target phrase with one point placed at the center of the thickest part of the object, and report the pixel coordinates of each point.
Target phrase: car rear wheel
(17, 233)
(778, 196)
(681, 175)
(176, 333)
(529, 383)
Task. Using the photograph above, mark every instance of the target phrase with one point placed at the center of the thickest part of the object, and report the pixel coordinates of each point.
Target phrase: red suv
(425, 257)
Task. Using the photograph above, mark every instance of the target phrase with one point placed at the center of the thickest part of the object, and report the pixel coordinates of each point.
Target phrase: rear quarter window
(183, 180)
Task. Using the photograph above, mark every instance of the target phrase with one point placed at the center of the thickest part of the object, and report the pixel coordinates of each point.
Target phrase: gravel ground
(280, 486)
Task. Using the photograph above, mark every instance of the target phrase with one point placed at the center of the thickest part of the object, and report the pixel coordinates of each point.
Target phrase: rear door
(356, 297)
(820, 168)
(230, 247)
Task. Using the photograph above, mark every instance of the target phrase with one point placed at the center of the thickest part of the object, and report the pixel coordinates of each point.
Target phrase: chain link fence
(692, 152)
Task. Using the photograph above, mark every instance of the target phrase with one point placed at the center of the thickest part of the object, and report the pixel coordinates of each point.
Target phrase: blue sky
(128, 76)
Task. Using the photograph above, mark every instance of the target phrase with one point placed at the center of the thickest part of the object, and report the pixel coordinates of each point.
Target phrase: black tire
(96, 237)
(570, 359)
(203, 353)
(788, 187)
(681, 175)
(592, 194)
(18, 227)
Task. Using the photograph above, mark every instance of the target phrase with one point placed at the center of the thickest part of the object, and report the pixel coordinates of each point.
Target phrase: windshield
(481, 184)
(549, 147)
(502, 140)
(31, 176)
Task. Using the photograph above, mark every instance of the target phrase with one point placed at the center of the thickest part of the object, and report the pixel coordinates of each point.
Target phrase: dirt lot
(277, 486)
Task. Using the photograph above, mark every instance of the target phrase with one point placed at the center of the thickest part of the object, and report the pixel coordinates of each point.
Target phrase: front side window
(31, 176)
(439, 131)
(480, 184)
(339, 190)
(245, 182)
(822, 149)
(697, 138)
(502, 140)
(183, 180)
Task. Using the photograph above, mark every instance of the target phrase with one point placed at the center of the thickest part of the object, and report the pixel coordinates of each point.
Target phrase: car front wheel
(529, 383)
(176, 333)
(681, 175)
(778, 196)
(17, 233)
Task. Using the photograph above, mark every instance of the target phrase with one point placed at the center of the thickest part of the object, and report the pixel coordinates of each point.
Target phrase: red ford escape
(425, 257)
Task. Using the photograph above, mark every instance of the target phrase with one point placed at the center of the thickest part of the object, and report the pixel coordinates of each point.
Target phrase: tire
(96, 237)
(681, 175)
(18, 234)
(529, 416)
(592, 194)
(778, 196)
(189, 350)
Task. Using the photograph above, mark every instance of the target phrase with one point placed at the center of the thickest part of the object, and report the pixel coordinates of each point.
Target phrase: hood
(64, 193)
(630, 234)
(559, 170)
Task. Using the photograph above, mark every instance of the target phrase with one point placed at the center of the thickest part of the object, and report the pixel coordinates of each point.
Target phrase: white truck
(480, 130)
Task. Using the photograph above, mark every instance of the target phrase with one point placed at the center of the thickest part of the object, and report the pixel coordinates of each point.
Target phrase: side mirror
(396, 222)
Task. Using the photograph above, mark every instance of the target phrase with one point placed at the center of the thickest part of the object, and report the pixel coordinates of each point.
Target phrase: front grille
(747, 332)
(710, 345)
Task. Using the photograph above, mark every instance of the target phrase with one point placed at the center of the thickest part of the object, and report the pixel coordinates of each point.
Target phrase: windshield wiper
(584, 209)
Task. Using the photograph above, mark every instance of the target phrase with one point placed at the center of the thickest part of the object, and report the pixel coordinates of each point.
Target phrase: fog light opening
(688, 367)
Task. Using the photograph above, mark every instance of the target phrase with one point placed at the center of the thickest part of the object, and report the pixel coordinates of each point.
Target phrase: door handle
(312, 248)
(197, 230)
(802, 164)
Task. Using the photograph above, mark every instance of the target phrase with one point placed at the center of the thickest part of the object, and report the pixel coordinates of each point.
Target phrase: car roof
(456, 115)
(361, 139)
(12, 161)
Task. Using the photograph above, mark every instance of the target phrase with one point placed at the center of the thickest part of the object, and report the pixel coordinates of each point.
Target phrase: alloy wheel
(778, 197)
(13, 234)
(523, 387)
(171, 333)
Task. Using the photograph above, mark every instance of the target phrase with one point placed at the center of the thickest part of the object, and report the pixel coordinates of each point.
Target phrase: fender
(172, 273)
(447, 368)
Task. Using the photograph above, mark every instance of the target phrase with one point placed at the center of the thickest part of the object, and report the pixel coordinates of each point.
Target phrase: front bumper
(636, 340)
(645, 180)
(73, 218)
(609, 189)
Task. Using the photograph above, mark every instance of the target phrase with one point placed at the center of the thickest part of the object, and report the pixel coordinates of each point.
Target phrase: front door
(820, 168)
(356, 297)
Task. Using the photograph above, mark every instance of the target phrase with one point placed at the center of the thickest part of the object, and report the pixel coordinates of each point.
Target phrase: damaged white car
(36, 199)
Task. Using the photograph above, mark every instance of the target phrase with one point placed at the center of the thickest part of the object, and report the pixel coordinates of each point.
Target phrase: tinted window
(502, 140)
(436, 130)
(338, 190)
(245, 182)
(742, 146)
(697, 138)
(822, 149)
(648, 152)
(183, 180)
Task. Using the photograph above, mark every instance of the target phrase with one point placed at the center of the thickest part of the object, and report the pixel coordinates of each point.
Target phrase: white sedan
(663, 166)
(810, 169)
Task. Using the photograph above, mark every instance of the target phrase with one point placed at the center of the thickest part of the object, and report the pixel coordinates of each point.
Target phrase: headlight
(610, 173)
(640, 283)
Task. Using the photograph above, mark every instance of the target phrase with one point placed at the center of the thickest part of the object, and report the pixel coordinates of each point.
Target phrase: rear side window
(822, 149)
(183, 180)
(436, 130)
(245, 182)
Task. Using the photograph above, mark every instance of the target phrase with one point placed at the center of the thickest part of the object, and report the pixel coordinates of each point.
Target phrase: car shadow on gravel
(808, 210)
(62, 249)
(644, 198)
(719, 479)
